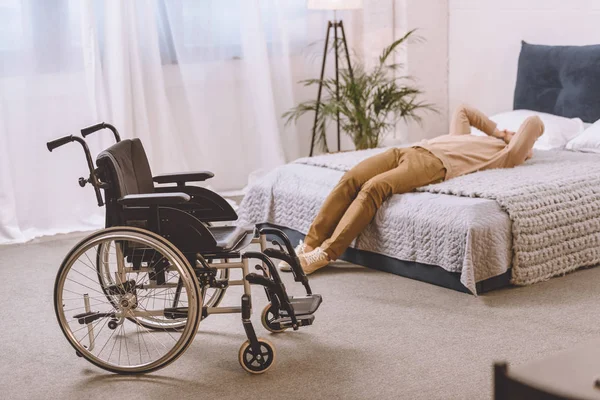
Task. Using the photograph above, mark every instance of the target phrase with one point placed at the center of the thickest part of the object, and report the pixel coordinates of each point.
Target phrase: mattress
(468, 236)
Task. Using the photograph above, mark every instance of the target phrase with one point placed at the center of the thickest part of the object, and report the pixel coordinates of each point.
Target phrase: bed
(481, 231)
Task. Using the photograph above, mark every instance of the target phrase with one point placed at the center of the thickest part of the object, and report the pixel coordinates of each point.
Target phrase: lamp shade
(334, 4)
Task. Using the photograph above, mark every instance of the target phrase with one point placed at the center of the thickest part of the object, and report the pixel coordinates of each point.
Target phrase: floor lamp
(332, 25)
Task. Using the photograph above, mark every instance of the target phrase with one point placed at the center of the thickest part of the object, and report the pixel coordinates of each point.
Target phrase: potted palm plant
(370, 102)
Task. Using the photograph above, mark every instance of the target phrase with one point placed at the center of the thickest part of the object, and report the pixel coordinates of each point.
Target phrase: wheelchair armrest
(183, 177)
(154, 199)
(206, 205)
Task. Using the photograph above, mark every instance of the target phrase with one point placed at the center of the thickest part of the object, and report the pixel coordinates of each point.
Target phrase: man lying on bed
(352, 204)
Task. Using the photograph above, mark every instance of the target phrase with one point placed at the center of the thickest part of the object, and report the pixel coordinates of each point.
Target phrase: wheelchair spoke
(153, 298)
(79, 283)
(137, 328)
(87, 277)
(87, 265)
(83, 307)
(110, 337)
(166, 331)
(127, 351)
(113, 348)
(91, 263)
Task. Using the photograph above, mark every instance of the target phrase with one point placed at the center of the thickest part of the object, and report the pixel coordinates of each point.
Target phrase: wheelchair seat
(228, 237)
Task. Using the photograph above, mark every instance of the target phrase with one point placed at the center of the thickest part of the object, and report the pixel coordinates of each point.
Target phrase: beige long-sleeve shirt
(462, 153)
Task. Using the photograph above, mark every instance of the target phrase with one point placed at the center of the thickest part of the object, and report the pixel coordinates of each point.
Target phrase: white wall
(426, 60)
(485, 40)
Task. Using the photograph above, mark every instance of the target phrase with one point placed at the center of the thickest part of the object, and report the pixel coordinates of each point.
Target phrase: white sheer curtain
(202, 83)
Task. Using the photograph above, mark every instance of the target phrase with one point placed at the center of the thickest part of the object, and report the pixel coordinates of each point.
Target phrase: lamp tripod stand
(331, 25)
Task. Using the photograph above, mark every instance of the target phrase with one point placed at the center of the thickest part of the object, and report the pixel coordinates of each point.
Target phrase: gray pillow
(559, 80)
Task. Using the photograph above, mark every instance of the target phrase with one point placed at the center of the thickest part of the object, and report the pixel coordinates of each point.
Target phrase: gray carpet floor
(376, 336)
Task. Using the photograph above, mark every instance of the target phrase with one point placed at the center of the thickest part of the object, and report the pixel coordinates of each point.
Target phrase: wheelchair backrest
(127, 168)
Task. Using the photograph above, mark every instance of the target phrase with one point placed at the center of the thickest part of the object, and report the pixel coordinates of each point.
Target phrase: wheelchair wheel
(257, 363)
(102, 318)
(267, 317)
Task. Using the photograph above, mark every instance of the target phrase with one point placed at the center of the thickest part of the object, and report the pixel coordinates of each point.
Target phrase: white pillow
(588, 141)
(558, 131)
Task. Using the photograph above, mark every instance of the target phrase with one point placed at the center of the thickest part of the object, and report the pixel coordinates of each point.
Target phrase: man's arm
(465, 117)
(521, 144)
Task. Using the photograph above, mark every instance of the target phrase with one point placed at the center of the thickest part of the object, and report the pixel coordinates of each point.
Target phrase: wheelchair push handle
(53, 144)
(102, 125)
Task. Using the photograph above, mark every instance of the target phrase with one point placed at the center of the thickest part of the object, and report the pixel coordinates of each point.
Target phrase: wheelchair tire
(84, 304)
(249, 361)
(267, 317)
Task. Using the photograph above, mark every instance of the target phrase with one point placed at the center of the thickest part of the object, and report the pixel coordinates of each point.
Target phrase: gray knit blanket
(553, 201)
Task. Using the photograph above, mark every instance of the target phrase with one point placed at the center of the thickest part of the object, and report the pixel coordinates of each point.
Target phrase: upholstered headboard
(560, 80)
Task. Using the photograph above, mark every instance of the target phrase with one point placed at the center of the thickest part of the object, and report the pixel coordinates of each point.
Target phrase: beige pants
(352, 204)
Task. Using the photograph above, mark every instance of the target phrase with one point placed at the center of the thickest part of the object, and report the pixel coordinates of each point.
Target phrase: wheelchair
(129, 298)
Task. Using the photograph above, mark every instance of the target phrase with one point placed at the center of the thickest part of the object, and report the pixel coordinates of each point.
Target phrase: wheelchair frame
(178, 219)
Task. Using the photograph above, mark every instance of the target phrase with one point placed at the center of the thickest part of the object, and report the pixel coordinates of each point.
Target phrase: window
(39, 37)
(44, 36)
(211, 30)
(11, 25)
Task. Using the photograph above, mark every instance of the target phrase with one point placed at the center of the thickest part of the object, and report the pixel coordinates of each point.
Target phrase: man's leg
(344, 193)
(417, 167)
(521, 144)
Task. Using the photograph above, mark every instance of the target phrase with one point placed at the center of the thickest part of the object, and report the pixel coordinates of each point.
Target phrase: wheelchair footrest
(306, 305)
(176, 312)
(285, 322)
(89, 317)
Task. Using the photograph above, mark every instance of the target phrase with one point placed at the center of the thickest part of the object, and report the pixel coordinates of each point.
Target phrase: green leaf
(392, 48)
(370, 103)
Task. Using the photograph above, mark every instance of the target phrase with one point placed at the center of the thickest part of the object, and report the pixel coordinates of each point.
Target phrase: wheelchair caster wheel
(78, 354)
(112, 324)
(267, 317)
(257, 363)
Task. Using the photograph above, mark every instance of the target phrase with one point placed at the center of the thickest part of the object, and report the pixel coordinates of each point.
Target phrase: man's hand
(508, 135)
(504, 134)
